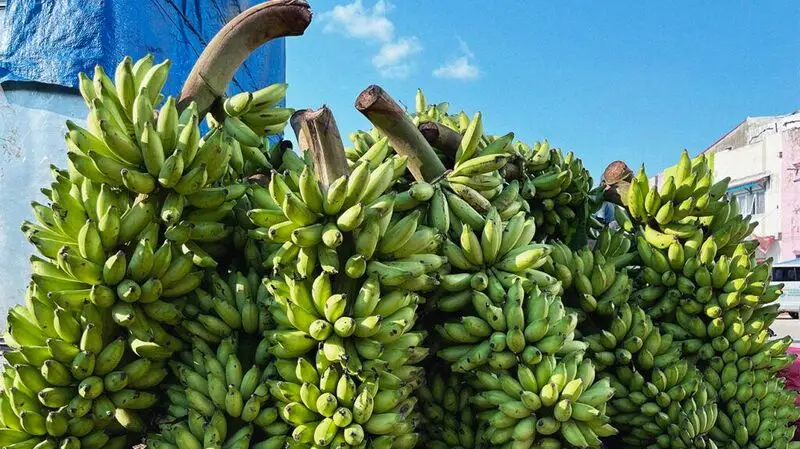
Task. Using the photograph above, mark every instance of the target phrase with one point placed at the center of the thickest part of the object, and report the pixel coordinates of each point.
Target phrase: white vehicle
(788, 273)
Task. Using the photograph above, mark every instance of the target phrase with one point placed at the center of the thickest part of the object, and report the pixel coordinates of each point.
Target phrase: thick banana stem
(511, 171)
(317, 132)
(615, 182)
(393, 122)
(444, 139)
(254, 27)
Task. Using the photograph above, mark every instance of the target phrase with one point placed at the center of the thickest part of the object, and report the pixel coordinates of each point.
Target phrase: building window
(786, 274)
(751, 200)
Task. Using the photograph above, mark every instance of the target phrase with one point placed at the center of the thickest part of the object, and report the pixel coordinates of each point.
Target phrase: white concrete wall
(31, 139)
(771, 221)
(752, 160)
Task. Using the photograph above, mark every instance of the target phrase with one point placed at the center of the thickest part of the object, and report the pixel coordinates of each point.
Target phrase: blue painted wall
(50, 41)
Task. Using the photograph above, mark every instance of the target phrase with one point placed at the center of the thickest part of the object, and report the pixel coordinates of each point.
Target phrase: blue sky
(637, 81)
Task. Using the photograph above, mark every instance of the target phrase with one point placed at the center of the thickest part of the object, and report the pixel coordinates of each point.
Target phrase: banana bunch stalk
(556, 188)
(668, 407)
(503, 253)
(72, 382)
(474, 185)
(327, 407)
(448, 420)
(595, 281)
(524, 329)
(761, 420)
(552, 404)
(372, 144)
(310, 225)
(369, 333)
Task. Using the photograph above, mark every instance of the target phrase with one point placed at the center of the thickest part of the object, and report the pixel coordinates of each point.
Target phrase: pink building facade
(790, 192)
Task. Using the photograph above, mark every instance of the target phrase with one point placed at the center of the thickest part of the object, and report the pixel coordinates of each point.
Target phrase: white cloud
(460, 68)
(392, 61)
(465, 48)
(353, 20)
(372, 25)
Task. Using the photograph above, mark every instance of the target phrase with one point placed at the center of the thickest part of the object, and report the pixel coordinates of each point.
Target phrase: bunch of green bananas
(556, 187)
(311, 225)
(145, 201)
(448, 420)
(231, 307)
(126, 170)
(760, 420)
(739, 333)
(705, 283)
(687, 201)
(476, 180)
(464, 196)
(368, 333)
(631, 337)
(72, 381)
(700, 277)
(474, 185)
(668, 407)
(503, 253)
(326, 406)
(691, 244)
(116, 259)
(551, 404)
(160, 147)
(595, 281)
(523, 329)
(222, 399)
(259, 112)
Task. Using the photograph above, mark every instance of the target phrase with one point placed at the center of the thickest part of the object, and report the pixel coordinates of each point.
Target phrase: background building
(43, 47)
(761, 155)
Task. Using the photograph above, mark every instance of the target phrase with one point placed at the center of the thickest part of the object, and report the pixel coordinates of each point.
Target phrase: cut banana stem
(393, 122)
(444, 139)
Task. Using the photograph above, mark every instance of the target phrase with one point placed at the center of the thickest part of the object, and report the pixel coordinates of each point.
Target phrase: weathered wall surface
(790, 191)
(31, 139)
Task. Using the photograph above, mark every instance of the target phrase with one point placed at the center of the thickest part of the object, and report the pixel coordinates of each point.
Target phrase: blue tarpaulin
(51, 41)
